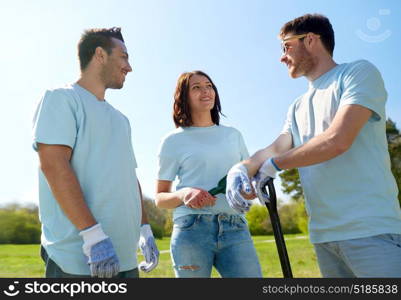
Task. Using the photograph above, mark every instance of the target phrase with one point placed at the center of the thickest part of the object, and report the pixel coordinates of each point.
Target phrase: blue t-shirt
(353, 195)
(104, 163)
(200, 157)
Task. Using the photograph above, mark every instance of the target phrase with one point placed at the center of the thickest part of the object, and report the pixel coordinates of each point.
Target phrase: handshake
(240, 188)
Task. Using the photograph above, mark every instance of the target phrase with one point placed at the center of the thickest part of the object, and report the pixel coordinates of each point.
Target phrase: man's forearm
(144, 219)
(282, 144)
(319, 149)
(255, 161)
(336, 140)
(67, 191)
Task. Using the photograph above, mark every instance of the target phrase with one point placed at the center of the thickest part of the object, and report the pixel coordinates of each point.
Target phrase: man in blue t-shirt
(90, 200)
(335, 135)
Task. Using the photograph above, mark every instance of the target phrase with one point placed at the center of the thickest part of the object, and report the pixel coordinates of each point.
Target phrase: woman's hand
(197, 198)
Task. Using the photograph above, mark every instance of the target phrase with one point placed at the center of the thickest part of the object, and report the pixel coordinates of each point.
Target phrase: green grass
(24, 260)
(20, 261)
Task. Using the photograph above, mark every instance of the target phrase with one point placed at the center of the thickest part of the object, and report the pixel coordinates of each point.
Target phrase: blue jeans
(374, 256)
(201, 241)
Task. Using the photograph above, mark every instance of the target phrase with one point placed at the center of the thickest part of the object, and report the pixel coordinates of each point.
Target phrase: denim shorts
(374, 256)
(54, 271)
(201, 241)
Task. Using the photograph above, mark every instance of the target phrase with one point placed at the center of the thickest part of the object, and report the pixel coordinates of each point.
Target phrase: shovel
(220, 188)
(270, 200)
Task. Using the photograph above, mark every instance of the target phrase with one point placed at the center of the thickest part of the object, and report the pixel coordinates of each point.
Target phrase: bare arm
(165, 198)
(144, 215)
(55, 164)
(282, 144)
(334, 141)
(190, 197)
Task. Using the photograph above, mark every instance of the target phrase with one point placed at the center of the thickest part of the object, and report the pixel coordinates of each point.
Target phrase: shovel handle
(277, 230)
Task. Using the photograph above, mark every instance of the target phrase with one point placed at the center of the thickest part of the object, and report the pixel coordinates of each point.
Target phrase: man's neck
(323, 65)
(93, 85)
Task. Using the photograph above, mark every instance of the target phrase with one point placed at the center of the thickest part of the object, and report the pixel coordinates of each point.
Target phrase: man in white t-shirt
(89, 195)
(335, 135)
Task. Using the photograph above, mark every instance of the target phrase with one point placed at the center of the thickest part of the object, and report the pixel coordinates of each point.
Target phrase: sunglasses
(285, 47)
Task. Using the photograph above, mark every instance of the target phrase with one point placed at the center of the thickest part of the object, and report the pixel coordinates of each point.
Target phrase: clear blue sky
(234, 41)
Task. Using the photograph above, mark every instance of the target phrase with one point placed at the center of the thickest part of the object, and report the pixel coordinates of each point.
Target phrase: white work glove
(237, 182)
(102, 258)
(148, 248)
(268, 170)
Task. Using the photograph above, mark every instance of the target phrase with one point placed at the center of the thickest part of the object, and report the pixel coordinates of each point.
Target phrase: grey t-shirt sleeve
(287, 128)
(363, 85)
(54, 121)
(168, 164)
(242, 147)
(130, 142)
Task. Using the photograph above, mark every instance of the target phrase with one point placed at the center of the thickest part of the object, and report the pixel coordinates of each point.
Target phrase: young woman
(207, 231)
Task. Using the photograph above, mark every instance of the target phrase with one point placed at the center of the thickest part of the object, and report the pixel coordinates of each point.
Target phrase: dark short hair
(315, 23)
(181, 110)
(93, 38)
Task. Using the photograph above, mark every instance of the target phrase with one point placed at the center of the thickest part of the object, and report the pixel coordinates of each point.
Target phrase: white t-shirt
(353, 195)
(200, 157)
(104, 163)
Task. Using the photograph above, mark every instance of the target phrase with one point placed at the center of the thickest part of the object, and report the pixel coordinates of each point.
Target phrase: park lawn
(18, 261)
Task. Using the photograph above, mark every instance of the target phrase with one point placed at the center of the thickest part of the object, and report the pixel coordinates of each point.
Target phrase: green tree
(301, 216)
(394, 148)
(156, 216)
(258, 220)
(19, 225)
(291, 184)
(290, 217)
(168, 225)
